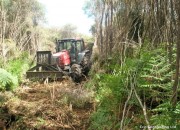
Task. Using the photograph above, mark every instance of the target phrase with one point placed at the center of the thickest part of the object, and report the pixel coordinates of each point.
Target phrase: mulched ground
(47, 106)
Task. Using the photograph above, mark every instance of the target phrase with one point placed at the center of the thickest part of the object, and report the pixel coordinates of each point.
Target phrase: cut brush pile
(52, 106)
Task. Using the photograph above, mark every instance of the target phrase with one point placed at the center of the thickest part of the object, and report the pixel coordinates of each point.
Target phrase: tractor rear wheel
(76, 72)
(86, 64)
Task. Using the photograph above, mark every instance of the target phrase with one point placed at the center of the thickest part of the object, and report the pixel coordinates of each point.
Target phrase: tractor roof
(70, 39)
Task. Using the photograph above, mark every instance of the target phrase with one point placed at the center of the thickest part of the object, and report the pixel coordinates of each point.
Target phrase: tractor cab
(73, 46)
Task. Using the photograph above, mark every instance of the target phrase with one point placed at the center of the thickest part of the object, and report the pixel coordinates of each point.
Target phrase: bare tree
(18, 22)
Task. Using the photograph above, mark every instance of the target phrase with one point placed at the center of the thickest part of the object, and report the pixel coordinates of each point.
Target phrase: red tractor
(71, 58)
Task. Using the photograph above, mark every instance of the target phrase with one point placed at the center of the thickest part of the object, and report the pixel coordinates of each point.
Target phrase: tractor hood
(61, 58)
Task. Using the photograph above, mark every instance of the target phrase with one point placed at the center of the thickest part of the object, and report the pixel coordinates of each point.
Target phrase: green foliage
(151, 74)
(7, 80)
(155, 84)
(19, 65)
(102, 119)
(165, 115)
(155, 77)
(111, 91)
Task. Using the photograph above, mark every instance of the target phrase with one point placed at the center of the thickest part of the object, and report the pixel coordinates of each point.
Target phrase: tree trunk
(176, 80)
(3, 25)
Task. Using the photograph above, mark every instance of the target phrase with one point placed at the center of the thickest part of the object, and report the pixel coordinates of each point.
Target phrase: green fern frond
(7, 81)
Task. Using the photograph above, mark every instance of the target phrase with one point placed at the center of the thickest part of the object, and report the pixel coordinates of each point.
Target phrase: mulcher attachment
(44, 68)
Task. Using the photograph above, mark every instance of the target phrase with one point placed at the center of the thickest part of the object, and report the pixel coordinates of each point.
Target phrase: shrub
(110, 92)
(7, 80)
(19, 65)
(165, 115)
(151, 75)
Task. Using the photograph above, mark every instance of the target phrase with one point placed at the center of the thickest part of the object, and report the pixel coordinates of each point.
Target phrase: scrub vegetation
(134, 79)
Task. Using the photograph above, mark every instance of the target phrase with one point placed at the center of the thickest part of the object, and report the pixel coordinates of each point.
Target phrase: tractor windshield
(66, 45)
(72, 45)
(79, 45)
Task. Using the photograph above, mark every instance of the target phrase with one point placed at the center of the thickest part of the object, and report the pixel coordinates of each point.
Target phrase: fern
(166, 116)
(156, 83)
(7, 81)
(156, 71)
(153, 82)
(19, 66)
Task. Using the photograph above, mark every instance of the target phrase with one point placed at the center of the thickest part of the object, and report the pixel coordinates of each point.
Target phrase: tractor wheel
(76, 72)
(86, 64)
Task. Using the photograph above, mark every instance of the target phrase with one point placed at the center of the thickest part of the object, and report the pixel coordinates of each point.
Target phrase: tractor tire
(76, 72)
(86, 64)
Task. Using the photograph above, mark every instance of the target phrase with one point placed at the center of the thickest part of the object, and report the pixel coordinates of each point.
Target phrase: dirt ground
(61, 105)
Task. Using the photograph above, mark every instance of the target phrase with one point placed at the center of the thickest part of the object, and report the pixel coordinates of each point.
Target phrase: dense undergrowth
(135, 95)
(14, 71)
